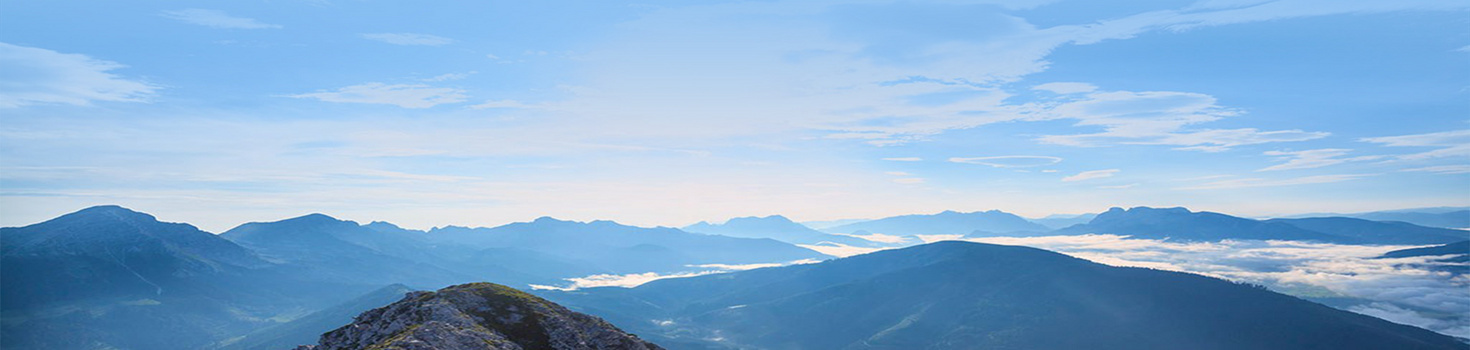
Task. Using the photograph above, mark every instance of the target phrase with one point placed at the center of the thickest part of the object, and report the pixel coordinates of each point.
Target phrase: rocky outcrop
(477, 316)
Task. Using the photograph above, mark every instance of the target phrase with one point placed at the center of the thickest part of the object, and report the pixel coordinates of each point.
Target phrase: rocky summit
(477, 316)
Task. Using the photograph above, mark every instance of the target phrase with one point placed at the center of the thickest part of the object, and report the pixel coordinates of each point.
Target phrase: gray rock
(477, 316)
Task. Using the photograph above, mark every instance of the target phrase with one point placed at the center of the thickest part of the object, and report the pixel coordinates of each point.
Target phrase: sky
(668, 113)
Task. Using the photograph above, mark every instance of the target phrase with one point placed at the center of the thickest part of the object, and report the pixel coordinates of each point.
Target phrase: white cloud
(879, 237)
(217, 19)
(412, 39)
(626, 280)
(840, 250)
(909, 180)
(512, 104)
(1119, 187)
(1310, 159)
(1259, 182)
(1156, 118)
(1443, 169)
(402, 95)
(1449, 143)
(1092, 174)
(904, 159)
(1066, 88)
(637, 279)
(1009, 161)
(898, 173)
(1347, 270)
(451, 76)
(40, 76)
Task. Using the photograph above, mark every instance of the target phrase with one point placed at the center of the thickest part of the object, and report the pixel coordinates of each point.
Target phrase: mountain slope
(971, 295)
(1183, 225)
(477, 316)
(775, 227)
(109, 277)
(944, 223)
(1452, 219)
(1378, 232)
(329, 249)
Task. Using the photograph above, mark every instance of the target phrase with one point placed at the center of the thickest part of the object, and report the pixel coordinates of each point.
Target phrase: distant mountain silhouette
(971, 295)
(944, 223)
(625, 249)
(1451, 219)
(1063, 221)
(778, 228)
(107, 277)
(344, 251)
(307, 329)
(1456, 256)
(1180, 224)
(1457, 252)
(1377, 232)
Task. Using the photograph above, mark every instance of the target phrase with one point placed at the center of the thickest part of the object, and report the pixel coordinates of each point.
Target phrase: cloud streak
(402, 95)
(409, 39)
(1089, 175)
(40, 76)
(217, 19)
(1311, 159)
(1009, 161)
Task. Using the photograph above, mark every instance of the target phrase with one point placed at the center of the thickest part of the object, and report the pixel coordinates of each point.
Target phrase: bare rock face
(477, 316)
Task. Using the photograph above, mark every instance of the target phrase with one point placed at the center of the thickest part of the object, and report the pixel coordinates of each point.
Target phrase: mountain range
(971, 295)
(1181, 224)
(776, 227)
(944, 223)
(109, 277)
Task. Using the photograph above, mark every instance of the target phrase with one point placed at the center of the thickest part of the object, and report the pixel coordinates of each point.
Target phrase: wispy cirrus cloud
(402, 95)
(1157, 118)
(409, 39)
(1310, 159)
(1092, 174)
(1447, 144)
(217, 19)
(1443, 169)
(1009, 161)
(40, 76)
(1261, 182)
(1066, 87)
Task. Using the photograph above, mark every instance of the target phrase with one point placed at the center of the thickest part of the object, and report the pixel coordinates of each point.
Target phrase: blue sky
(667, 113)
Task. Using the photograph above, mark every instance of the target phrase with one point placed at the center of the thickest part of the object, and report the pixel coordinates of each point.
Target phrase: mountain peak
(478, 316)
(109, 211)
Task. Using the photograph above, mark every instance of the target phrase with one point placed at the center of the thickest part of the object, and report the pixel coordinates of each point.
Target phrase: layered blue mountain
(109, 277)
(1453, 258)
(1063, 221)
(980, 296)
(1180, 224)
(624, 249)
(329, 249)
(1377, 232)
(1453, 252)
(945, 223)
(1433, 218)
(778, 228)
(1442, 217)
